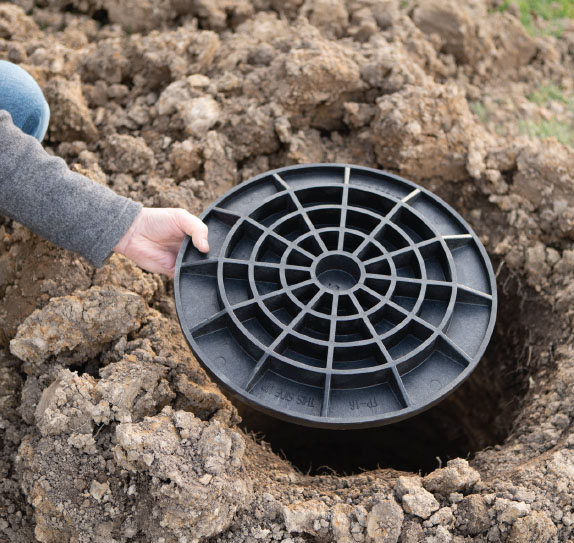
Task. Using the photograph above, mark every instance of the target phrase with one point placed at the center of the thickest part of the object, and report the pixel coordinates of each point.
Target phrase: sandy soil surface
(111, 432)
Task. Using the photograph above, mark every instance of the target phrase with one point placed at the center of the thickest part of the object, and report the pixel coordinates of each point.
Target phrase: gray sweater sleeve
(70, 210)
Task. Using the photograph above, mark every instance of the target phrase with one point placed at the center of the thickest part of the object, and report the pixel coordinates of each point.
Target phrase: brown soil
(110, 431)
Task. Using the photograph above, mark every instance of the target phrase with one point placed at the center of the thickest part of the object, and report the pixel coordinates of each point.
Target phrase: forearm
(70, 210)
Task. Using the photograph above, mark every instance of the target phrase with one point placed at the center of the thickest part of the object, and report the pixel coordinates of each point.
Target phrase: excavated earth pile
(110, 431)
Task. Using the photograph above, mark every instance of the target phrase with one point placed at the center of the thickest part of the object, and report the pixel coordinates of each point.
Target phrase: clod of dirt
(458, 476)
(122, 272)
(416, 500)
(535, 527)
(454, 25)
(128, 154)
(15, 24)
(472, 515)
(31, 273)
(197, 466)
(137, 15)
(71, 117)
(329, 16)
(176, 477)
(77, 327)
(385, 521)
(185, 158)
(195, 112)
(431, 126)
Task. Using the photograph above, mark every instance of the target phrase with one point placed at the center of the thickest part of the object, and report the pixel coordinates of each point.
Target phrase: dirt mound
(109, 429)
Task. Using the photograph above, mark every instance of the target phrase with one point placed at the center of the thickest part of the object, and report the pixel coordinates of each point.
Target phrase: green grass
(550, 92)
(563, 131)
(553, 12)
(552, 128)
(545, 93)
(480, 111)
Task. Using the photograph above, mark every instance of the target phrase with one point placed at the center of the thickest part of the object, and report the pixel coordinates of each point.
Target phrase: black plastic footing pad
(336, 296)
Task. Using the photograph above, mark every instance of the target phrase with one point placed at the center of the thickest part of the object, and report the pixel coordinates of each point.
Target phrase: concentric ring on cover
(336, 296)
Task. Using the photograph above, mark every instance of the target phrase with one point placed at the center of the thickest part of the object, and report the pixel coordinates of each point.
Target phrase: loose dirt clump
(110, 431)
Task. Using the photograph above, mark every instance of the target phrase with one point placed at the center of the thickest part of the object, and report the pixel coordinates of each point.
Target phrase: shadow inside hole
(478, 414)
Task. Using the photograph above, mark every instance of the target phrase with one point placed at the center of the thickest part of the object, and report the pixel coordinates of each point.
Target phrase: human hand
(154, 238)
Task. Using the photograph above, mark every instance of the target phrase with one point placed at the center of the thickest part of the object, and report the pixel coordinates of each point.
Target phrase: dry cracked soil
(110, 431)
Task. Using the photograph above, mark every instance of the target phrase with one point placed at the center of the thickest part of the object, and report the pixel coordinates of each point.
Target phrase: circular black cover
(336, 296)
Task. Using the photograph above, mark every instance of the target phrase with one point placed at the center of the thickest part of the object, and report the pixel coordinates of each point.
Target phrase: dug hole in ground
(110, 431)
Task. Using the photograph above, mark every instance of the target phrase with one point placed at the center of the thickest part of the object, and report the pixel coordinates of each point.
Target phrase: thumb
(193, 227)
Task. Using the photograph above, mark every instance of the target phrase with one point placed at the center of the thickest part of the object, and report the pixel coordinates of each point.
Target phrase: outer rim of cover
(336, 423)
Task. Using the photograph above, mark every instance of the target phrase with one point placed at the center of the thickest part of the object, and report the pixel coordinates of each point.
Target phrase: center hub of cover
(338, 272)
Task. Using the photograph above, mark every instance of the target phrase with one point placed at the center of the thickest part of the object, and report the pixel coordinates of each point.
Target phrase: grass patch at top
(561, 129)
(546, 93)
(552, 12)
(551, 128)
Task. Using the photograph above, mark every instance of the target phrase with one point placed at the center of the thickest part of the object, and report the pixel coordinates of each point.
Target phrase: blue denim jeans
(21, 96)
